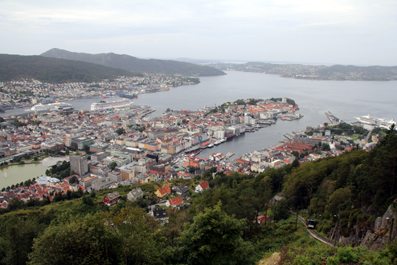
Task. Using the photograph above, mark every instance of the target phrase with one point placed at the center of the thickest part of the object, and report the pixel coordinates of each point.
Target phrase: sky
(361, 32)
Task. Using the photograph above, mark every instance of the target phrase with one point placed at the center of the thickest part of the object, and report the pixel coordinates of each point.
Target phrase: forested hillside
(136, 65)
(221, 224)
(53, 70)
(351, 190)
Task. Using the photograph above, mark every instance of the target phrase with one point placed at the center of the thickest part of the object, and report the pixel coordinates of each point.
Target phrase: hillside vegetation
(53, 70)
(220, 225)
(351, 190)
(134, 64)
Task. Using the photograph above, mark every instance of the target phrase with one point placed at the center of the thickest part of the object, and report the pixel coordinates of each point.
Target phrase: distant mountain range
(137, 65)
(14, 67)
(317, 72)
(58, 65)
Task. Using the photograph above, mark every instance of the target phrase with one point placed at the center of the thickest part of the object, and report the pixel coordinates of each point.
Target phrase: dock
(332, 118)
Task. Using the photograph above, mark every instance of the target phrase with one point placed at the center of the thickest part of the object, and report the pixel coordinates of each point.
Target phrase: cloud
(230, 29)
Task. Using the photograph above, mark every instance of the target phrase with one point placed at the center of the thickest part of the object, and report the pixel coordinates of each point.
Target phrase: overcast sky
(304, 31)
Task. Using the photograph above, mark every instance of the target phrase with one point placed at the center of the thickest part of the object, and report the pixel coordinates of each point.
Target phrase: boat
(385, 124)
(366, 119)
(288, 136)
(376, 122)
(57, 106)
(218, 142)
(115, 104)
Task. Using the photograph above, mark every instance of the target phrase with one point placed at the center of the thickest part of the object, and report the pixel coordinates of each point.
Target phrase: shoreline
(26, 108)
(45, 163)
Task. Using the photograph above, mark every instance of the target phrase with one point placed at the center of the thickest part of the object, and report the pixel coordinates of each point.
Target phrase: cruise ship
(385, 124)
(57, 106)
(375, 122)
(115, 104)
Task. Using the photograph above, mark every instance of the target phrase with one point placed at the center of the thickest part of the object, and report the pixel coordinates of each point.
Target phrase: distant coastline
(316, 72)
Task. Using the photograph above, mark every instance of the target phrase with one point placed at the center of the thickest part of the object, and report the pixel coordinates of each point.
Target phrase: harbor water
(345, 99)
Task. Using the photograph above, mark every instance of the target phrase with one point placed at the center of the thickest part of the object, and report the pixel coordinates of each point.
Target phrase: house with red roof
(175, 202)
(294, 146)
(202, 186)
(163, 191)
(184, 175)
(111, 199)
(261, 219)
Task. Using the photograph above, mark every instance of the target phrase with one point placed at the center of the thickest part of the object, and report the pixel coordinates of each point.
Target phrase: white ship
(375, 122)
(366, 119)
(385, 124)
(116, 104)
(51, 107)
(218, 142)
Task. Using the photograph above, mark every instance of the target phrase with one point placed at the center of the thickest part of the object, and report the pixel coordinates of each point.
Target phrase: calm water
(79, 104)
(18, 173)
(346, 99)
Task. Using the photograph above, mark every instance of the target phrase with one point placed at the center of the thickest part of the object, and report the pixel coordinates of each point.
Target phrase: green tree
(280, 210)
(339, 200)
(120, 131)
(88, 201)
(74, 180)
(215, 238)
(83, 241)
(139, 245)
(17, 234)
(4, 249)
(346, 255)
(112, 165)
(325, 147)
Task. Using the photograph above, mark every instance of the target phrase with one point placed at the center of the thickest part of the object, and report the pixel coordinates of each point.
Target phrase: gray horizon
(327, 32)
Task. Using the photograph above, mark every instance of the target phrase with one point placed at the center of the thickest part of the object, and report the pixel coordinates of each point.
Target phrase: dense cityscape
(122, 146)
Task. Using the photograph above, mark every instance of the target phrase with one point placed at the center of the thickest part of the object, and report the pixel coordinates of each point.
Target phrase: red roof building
(163, 191)
(175, 202)
(111, 198)
(294, 146)
(202, 186)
